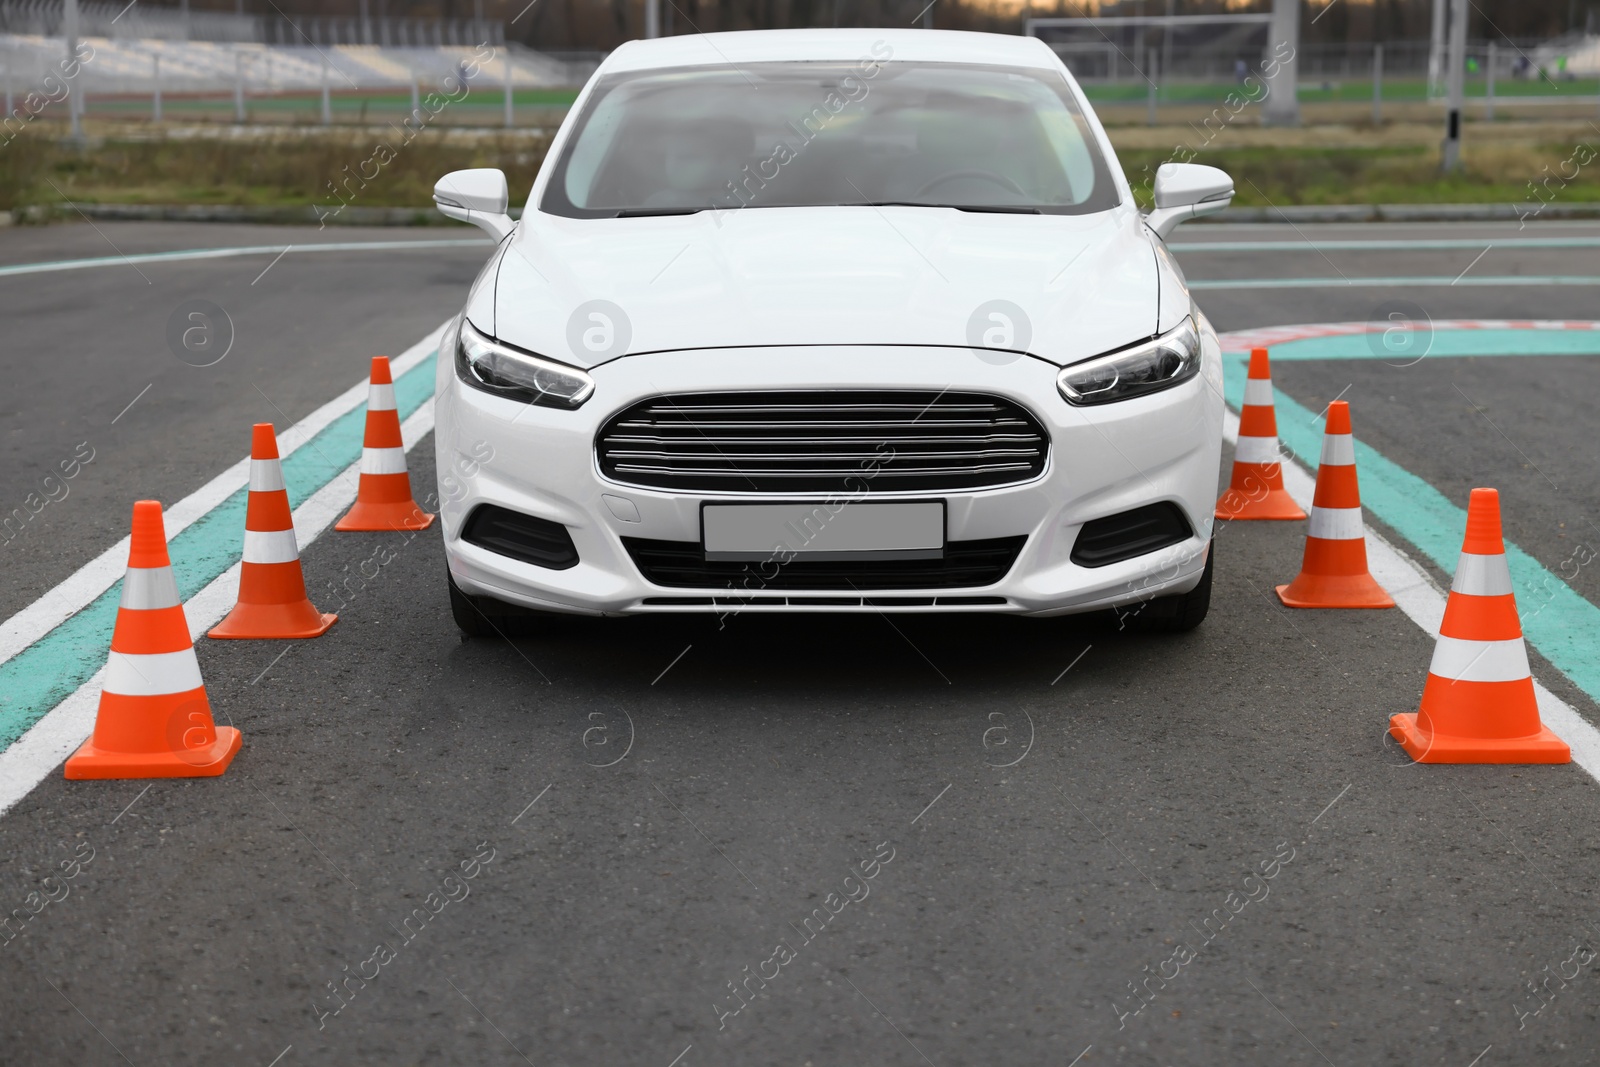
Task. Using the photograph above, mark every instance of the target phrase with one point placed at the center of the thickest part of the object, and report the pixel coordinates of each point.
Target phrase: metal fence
(137, 67)
(1102, 53)
(46, 18)
(252, 84)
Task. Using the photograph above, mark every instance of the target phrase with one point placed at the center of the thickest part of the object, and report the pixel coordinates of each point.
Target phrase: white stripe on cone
(153, 674)
(1338, 450)
(383, 461)
(1480, 661)
(149, 588)
(1257, 450)
(1335, 524)
(381, 397)
(270, 546)
(266, 476)
(1257, 392)
(1478, 575)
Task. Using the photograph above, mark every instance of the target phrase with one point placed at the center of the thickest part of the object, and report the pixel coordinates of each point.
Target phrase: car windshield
(978, 138)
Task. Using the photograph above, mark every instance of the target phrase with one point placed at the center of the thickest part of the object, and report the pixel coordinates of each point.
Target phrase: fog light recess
(1130, 533)
(521, 537)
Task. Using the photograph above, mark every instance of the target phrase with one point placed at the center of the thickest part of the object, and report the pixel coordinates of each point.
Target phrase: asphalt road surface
(973, 838)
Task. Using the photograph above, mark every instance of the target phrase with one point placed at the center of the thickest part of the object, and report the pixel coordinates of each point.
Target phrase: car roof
(881, 45)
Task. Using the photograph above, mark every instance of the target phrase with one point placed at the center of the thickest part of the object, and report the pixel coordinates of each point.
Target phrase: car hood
(1063, 288)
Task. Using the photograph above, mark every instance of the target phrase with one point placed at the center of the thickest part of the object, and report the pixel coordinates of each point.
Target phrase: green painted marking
(224, 253)
(1562, 625)
(1394, 283)
(1405, 348)
(1385, 245)
(46, 672)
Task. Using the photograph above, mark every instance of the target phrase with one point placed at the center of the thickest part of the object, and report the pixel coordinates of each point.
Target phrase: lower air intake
(965, 565)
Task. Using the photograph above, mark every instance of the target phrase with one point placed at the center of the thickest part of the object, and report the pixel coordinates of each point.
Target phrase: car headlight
(497, 368)
(1145, 368)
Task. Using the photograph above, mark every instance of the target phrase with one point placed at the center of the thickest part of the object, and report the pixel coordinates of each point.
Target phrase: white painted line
(1415, 593)
(228, 253)
(36, 754)
(95, 577)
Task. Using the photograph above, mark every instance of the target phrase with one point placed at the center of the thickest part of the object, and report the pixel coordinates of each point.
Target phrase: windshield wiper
(1001, 209)
(1004, 209)
(651, 212)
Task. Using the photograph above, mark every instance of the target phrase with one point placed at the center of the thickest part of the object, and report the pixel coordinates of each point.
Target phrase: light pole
(1377, 85)
(509, 117)
(327, 102)
(1455, 70)
(1488, 89)
(1152, 96)
(1282, 106)
(1436, 47)
(75, 101)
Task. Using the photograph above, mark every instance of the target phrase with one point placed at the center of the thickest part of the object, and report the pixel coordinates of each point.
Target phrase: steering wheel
(983, 175)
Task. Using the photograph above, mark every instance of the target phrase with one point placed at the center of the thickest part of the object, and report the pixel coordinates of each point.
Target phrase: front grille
(966, 564)
(785, 442)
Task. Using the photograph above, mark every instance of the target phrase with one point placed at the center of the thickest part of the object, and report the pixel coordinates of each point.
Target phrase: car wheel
(1173, 614)
(481, 616)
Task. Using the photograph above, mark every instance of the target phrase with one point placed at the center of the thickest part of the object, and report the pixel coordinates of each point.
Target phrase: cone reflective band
(1333, 572)
(1478, 703)
(383, 498)
(272, 587)
(1255, 491)
(154, 720)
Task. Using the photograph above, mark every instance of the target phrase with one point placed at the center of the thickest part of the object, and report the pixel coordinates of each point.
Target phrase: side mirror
(478, 196)
(1186, 191)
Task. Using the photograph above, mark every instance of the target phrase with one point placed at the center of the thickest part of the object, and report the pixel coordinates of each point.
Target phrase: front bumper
(1103, 460)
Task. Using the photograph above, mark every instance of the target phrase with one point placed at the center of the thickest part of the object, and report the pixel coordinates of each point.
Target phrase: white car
(830, 320)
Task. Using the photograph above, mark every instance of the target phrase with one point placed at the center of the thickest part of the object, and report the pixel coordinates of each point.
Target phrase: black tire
(1172, 614)
(481, 616)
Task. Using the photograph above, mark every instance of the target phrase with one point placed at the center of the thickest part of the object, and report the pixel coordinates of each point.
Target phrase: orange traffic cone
(154, 720)
(1478, 704)
(383, 499)
(1333, 573)
(1256, 489)
(272, 588)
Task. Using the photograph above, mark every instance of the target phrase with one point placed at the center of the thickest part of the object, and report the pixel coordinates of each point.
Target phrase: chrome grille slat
(816, 424)
(820, 441)
(763, 409)
(724, 472)
(741, 461)
(776, 441)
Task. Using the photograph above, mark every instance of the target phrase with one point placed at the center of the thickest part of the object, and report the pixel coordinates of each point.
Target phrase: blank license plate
(822, 532)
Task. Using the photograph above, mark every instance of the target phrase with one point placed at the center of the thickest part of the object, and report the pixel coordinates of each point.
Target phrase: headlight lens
(1145, 368)
(497, 368)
